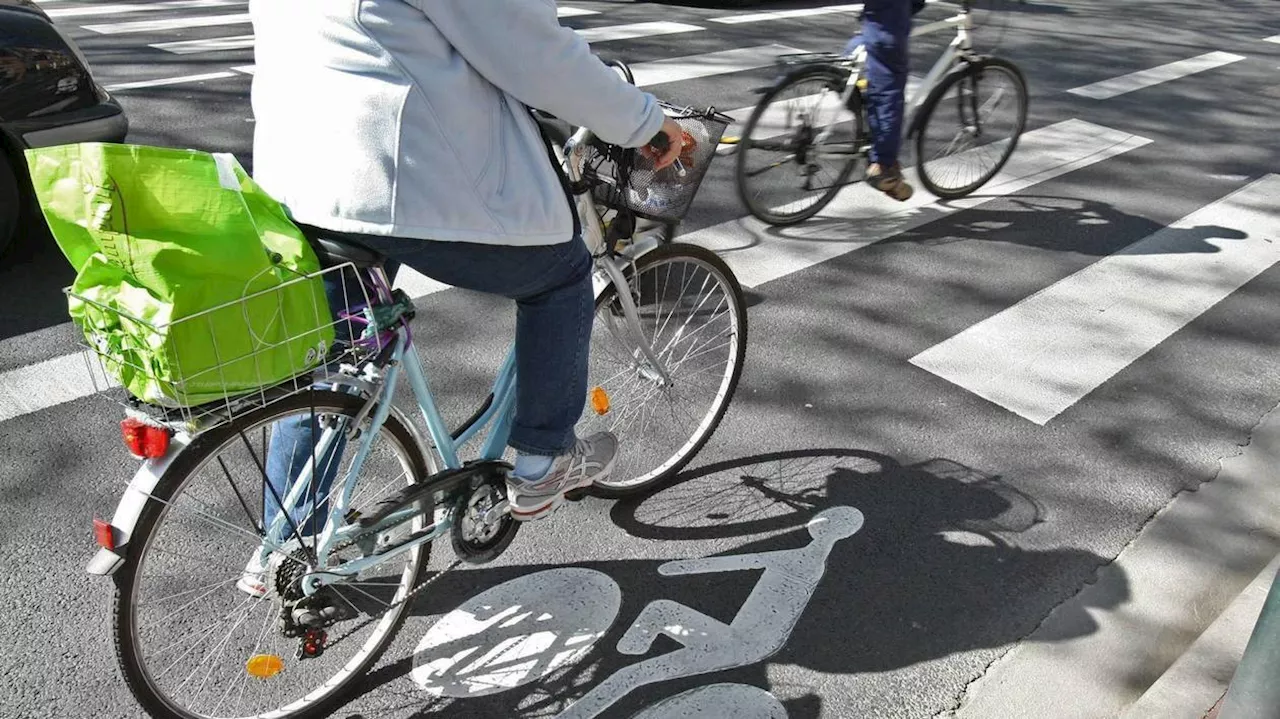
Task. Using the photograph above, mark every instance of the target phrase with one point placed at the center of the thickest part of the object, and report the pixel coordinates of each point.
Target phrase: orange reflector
(600, 401)
(264, 666)
(104, 534)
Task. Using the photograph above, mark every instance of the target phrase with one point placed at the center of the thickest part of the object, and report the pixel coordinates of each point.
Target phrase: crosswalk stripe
(859, 216)
(124, 8)
(691, 67)
(574, 11)
(636, 30)
(49, 383)
(213, 44)
(745, 18)
(141, 84)
(166, 24)
(1049, 351)
(1107, 89)
(600, 34)
(646, 73)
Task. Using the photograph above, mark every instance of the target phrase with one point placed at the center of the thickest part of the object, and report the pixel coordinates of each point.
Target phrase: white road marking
(212, 44)
(786, 14)
(516, 632)
(167, 24)
(1050, 350)
(123, 8)
(859, 216)
(574, 12)
(50, 383)
(740, 701)
(220, 75)
(636, 30)
(1116, 86)
(416, 284)
(1273, 38)
(759, 630)
(595, 35)
(709, 64)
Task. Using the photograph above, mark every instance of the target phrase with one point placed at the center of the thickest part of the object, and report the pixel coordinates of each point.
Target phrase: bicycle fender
(106, 562)
(647, 243)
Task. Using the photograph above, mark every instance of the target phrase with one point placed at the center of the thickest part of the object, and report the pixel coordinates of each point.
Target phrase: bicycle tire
(662, 254)
(172, 483)
(836, 81)
(972, 71)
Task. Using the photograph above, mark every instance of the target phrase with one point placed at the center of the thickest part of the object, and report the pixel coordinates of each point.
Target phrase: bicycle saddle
(333, 249)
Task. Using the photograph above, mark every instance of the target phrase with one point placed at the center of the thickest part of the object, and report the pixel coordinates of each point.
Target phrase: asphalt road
(978, 521)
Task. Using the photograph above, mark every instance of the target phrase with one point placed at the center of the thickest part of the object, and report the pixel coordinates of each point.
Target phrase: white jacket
(409, 118)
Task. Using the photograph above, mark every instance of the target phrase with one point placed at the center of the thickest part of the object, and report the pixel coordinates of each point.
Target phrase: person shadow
(937, 567)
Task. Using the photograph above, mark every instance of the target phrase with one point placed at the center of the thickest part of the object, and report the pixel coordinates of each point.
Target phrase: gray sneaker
(591, 459)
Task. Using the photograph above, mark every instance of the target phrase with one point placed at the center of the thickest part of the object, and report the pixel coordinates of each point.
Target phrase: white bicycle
(807, 133)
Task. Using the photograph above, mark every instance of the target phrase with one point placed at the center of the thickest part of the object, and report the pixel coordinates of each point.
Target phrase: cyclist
(404, 126)
(886, 31)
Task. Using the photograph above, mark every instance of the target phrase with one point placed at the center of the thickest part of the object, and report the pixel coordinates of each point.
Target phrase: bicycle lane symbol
(446, 663)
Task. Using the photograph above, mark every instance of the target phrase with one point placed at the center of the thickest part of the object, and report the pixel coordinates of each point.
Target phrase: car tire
(10, 203)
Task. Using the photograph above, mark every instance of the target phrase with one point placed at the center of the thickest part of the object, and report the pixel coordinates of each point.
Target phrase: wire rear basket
(626, 178)
(207, 368)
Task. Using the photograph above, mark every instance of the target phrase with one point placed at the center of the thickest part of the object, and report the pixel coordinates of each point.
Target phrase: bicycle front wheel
(193, 640)
(693, 314)
(799, 147)
(969, 127)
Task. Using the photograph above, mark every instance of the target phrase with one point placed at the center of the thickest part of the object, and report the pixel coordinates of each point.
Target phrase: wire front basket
(626, 178)
(201, 370)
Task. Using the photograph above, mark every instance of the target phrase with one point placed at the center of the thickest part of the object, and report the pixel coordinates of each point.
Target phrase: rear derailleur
(307, 618)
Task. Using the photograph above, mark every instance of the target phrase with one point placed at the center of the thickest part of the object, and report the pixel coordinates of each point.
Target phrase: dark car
(47, 97)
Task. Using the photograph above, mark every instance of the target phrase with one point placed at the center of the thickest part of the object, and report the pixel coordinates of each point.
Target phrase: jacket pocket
(491, 172)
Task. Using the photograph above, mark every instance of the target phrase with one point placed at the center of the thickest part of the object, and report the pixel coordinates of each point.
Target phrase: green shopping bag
(192, 283)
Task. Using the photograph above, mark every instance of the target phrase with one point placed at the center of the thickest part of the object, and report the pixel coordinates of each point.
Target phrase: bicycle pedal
(576, 495)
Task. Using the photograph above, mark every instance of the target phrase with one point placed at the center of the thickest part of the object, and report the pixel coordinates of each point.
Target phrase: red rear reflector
(144, 441)
(104, 534)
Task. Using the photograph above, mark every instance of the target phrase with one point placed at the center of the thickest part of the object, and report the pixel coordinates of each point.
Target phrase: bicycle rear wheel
(799, 147)
(692, 311)
(969, 127)
(185, 632)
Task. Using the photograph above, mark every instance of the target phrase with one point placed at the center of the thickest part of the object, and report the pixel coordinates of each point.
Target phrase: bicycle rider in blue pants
(886, 31)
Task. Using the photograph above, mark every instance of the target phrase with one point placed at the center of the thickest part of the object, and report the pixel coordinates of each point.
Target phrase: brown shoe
(889, 181)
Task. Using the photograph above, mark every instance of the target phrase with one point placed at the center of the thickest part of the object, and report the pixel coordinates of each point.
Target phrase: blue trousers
(886, 31)
(551, 285)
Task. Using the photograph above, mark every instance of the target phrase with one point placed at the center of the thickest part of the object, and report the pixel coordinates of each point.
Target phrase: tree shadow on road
(925, 578)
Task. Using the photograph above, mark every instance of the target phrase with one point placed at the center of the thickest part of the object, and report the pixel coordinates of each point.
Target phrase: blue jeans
(886, 31)
(551, 285)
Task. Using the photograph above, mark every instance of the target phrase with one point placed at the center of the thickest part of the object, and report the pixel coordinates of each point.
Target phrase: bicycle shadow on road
(1065, 224)
(926, 577)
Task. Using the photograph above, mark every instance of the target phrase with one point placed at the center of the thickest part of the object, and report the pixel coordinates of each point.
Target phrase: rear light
(104, 534)
(145, 441)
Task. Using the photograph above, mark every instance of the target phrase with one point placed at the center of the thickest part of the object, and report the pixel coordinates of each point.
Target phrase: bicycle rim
(185, 638)
(971, 128)
(798, 149)
(693, 313)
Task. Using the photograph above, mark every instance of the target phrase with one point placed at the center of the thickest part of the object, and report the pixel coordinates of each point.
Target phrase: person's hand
(667, 145)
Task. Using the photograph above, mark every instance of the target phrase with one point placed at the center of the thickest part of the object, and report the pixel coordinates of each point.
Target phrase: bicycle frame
(497, 415)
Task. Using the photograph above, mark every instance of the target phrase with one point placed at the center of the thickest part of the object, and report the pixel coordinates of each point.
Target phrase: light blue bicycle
(339, 565)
